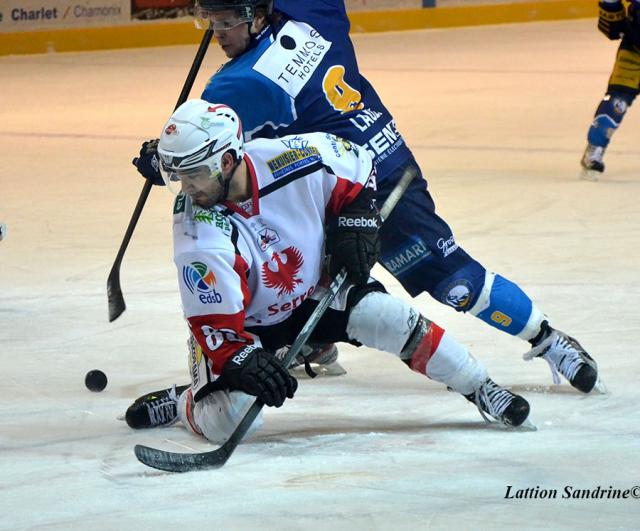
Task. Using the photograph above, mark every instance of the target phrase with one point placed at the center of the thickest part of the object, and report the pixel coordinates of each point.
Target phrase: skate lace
(492, 399)
(163, 410)
(559, 351)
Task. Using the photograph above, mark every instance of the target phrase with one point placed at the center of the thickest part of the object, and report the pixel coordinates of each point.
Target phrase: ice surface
(497, 116)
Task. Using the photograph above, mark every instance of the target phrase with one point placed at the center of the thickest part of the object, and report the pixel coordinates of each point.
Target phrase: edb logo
(201, 281)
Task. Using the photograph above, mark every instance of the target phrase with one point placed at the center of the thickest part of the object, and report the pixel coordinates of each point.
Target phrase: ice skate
(507, 408)
(317, 359)
(592, 164)
(159, 408)
(567, 357)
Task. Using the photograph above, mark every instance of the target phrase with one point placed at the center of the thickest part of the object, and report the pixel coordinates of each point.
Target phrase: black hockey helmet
(246, 9)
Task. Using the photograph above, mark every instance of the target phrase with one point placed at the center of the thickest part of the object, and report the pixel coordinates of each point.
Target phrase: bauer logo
(201, 281)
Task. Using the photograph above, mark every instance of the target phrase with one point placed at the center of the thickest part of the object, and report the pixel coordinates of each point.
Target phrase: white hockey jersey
(254, 263)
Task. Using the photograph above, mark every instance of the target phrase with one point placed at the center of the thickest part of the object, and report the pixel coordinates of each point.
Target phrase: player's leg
(381, 321)
(214, 415)
(419, 249)
(621, 92)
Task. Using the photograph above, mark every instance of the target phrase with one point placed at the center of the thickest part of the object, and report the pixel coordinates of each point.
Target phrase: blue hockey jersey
(302, 76)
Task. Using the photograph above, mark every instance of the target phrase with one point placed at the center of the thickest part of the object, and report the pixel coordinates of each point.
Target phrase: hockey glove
(259, 373)
(612, 21)
(148, 163)
(352, 238)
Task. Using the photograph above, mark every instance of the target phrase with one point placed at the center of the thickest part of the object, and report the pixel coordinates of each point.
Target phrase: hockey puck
(95, 380)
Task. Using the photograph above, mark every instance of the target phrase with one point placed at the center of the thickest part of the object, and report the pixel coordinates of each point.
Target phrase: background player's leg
(420, 250)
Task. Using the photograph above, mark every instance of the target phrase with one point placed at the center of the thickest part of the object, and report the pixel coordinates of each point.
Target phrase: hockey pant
(360, 316)
(420, 250)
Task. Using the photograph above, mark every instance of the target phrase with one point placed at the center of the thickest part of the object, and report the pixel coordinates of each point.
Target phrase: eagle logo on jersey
(284, 278)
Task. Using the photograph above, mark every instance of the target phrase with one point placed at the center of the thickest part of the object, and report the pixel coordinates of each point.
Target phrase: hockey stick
(114, 292)
(181, 462)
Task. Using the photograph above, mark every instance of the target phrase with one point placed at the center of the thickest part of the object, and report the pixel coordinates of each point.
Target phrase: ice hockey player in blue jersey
(616, 22)
(292, 70)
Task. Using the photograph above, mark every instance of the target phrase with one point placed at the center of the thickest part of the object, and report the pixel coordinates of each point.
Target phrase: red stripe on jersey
(342, 194)
(255, 201)
(241, 267)
(426, 348)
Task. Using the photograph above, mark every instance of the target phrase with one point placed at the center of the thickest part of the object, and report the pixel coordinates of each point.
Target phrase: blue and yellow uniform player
(293, 69)
(618, 21)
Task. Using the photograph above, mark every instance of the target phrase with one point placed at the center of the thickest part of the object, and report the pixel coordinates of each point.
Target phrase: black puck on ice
(95, 380)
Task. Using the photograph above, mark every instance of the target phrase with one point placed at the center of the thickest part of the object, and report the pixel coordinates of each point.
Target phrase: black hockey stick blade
(114, 294)
(181, 462)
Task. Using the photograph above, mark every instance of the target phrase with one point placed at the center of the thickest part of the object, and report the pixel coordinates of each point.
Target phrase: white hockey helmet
(198, 134)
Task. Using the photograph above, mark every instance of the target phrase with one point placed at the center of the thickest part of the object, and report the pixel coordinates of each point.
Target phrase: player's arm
(214, 292)
(352, 217)
(612, 19)
(261, 104)
(311, 11)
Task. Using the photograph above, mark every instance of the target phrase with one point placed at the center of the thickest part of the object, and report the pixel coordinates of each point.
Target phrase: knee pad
(461, 289)
(503, 305)
(217, 415)
(608, 117)
(381, 321)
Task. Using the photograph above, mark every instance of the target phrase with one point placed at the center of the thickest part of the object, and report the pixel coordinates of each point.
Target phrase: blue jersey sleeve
(318, 13)
(262, 105)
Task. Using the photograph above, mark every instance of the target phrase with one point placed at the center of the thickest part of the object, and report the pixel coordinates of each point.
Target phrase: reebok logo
(241, 356)
(370, 223)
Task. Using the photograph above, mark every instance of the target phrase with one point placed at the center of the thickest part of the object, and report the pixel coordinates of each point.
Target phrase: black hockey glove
(148, 163)
(352, 238)
(259, 373)
(612, 20)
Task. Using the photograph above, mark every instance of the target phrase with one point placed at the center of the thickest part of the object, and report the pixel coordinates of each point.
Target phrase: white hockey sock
(217, 415)
(452, 365)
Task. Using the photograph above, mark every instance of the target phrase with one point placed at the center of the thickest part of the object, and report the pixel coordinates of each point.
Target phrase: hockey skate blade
(590, 175)
(527, 425)
(600, 388)
(332, 369)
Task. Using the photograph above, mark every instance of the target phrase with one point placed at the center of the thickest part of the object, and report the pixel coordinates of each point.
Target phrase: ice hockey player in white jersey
(254, 227)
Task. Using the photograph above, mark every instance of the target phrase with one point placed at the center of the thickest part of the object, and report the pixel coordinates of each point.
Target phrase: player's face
(203, 189)
(231, 32)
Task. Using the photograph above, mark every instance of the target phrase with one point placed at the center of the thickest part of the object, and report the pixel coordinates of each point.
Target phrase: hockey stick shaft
(180, 462)
(114, 291)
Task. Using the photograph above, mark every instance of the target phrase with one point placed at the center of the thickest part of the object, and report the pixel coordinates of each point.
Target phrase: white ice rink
(497, 117)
